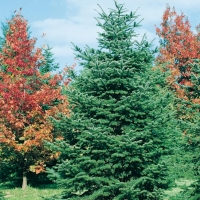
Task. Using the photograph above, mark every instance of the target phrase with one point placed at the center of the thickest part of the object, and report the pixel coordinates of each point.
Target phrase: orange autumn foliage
(180, 55)
(27, 98)
(179, 47)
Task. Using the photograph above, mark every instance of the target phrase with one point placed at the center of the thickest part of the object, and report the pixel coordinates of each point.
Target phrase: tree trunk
(24, 182)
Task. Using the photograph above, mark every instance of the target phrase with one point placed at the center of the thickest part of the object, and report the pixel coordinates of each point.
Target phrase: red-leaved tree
(179, 47)
(27, 99)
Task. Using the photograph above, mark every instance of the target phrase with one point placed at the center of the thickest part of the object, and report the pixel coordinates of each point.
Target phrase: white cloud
(65, 31)
(62, 51)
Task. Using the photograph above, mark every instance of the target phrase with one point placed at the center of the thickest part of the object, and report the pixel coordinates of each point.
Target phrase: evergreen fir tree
(122, 120)
(48, 65)
(4, 28)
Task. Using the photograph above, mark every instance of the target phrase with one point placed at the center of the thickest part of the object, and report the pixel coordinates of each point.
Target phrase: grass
(29, 193)
(32, 193)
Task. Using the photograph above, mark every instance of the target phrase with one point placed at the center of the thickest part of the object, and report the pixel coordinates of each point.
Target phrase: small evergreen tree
(4, 28)
(121, 121)
(48, 64)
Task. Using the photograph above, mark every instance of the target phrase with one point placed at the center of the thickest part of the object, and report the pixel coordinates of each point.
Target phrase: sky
(67, 21)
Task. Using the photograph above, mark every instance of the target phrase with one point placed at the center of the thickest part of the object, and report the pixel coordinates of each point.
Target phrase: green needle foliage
(48, 65)
(190, 118)
(122, 120)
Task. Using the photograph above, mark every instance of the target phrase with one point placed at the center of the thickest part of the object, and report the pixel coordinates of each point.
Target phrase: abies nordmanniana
(122, 118)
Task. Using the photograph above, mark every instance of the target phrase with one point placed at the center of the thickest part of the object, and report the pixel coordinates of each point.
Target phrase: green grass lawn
(32, 193)
(29, 193)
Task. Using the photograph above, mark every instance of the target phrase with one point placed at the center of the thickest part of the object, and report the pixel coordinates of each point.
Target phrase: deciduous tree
(179, 47)
(26, 101)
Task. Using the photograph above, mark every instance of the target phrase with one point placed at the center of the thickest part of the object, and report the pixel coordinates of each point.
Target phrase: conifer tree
(48, 64)
(121, 121)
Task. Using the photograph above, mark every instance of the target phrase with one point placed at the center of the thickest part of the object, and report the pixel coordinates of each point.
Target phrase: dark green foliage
(122, 120)
(8, 168)
(48, 64)
(190, 124)
(11, 169)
